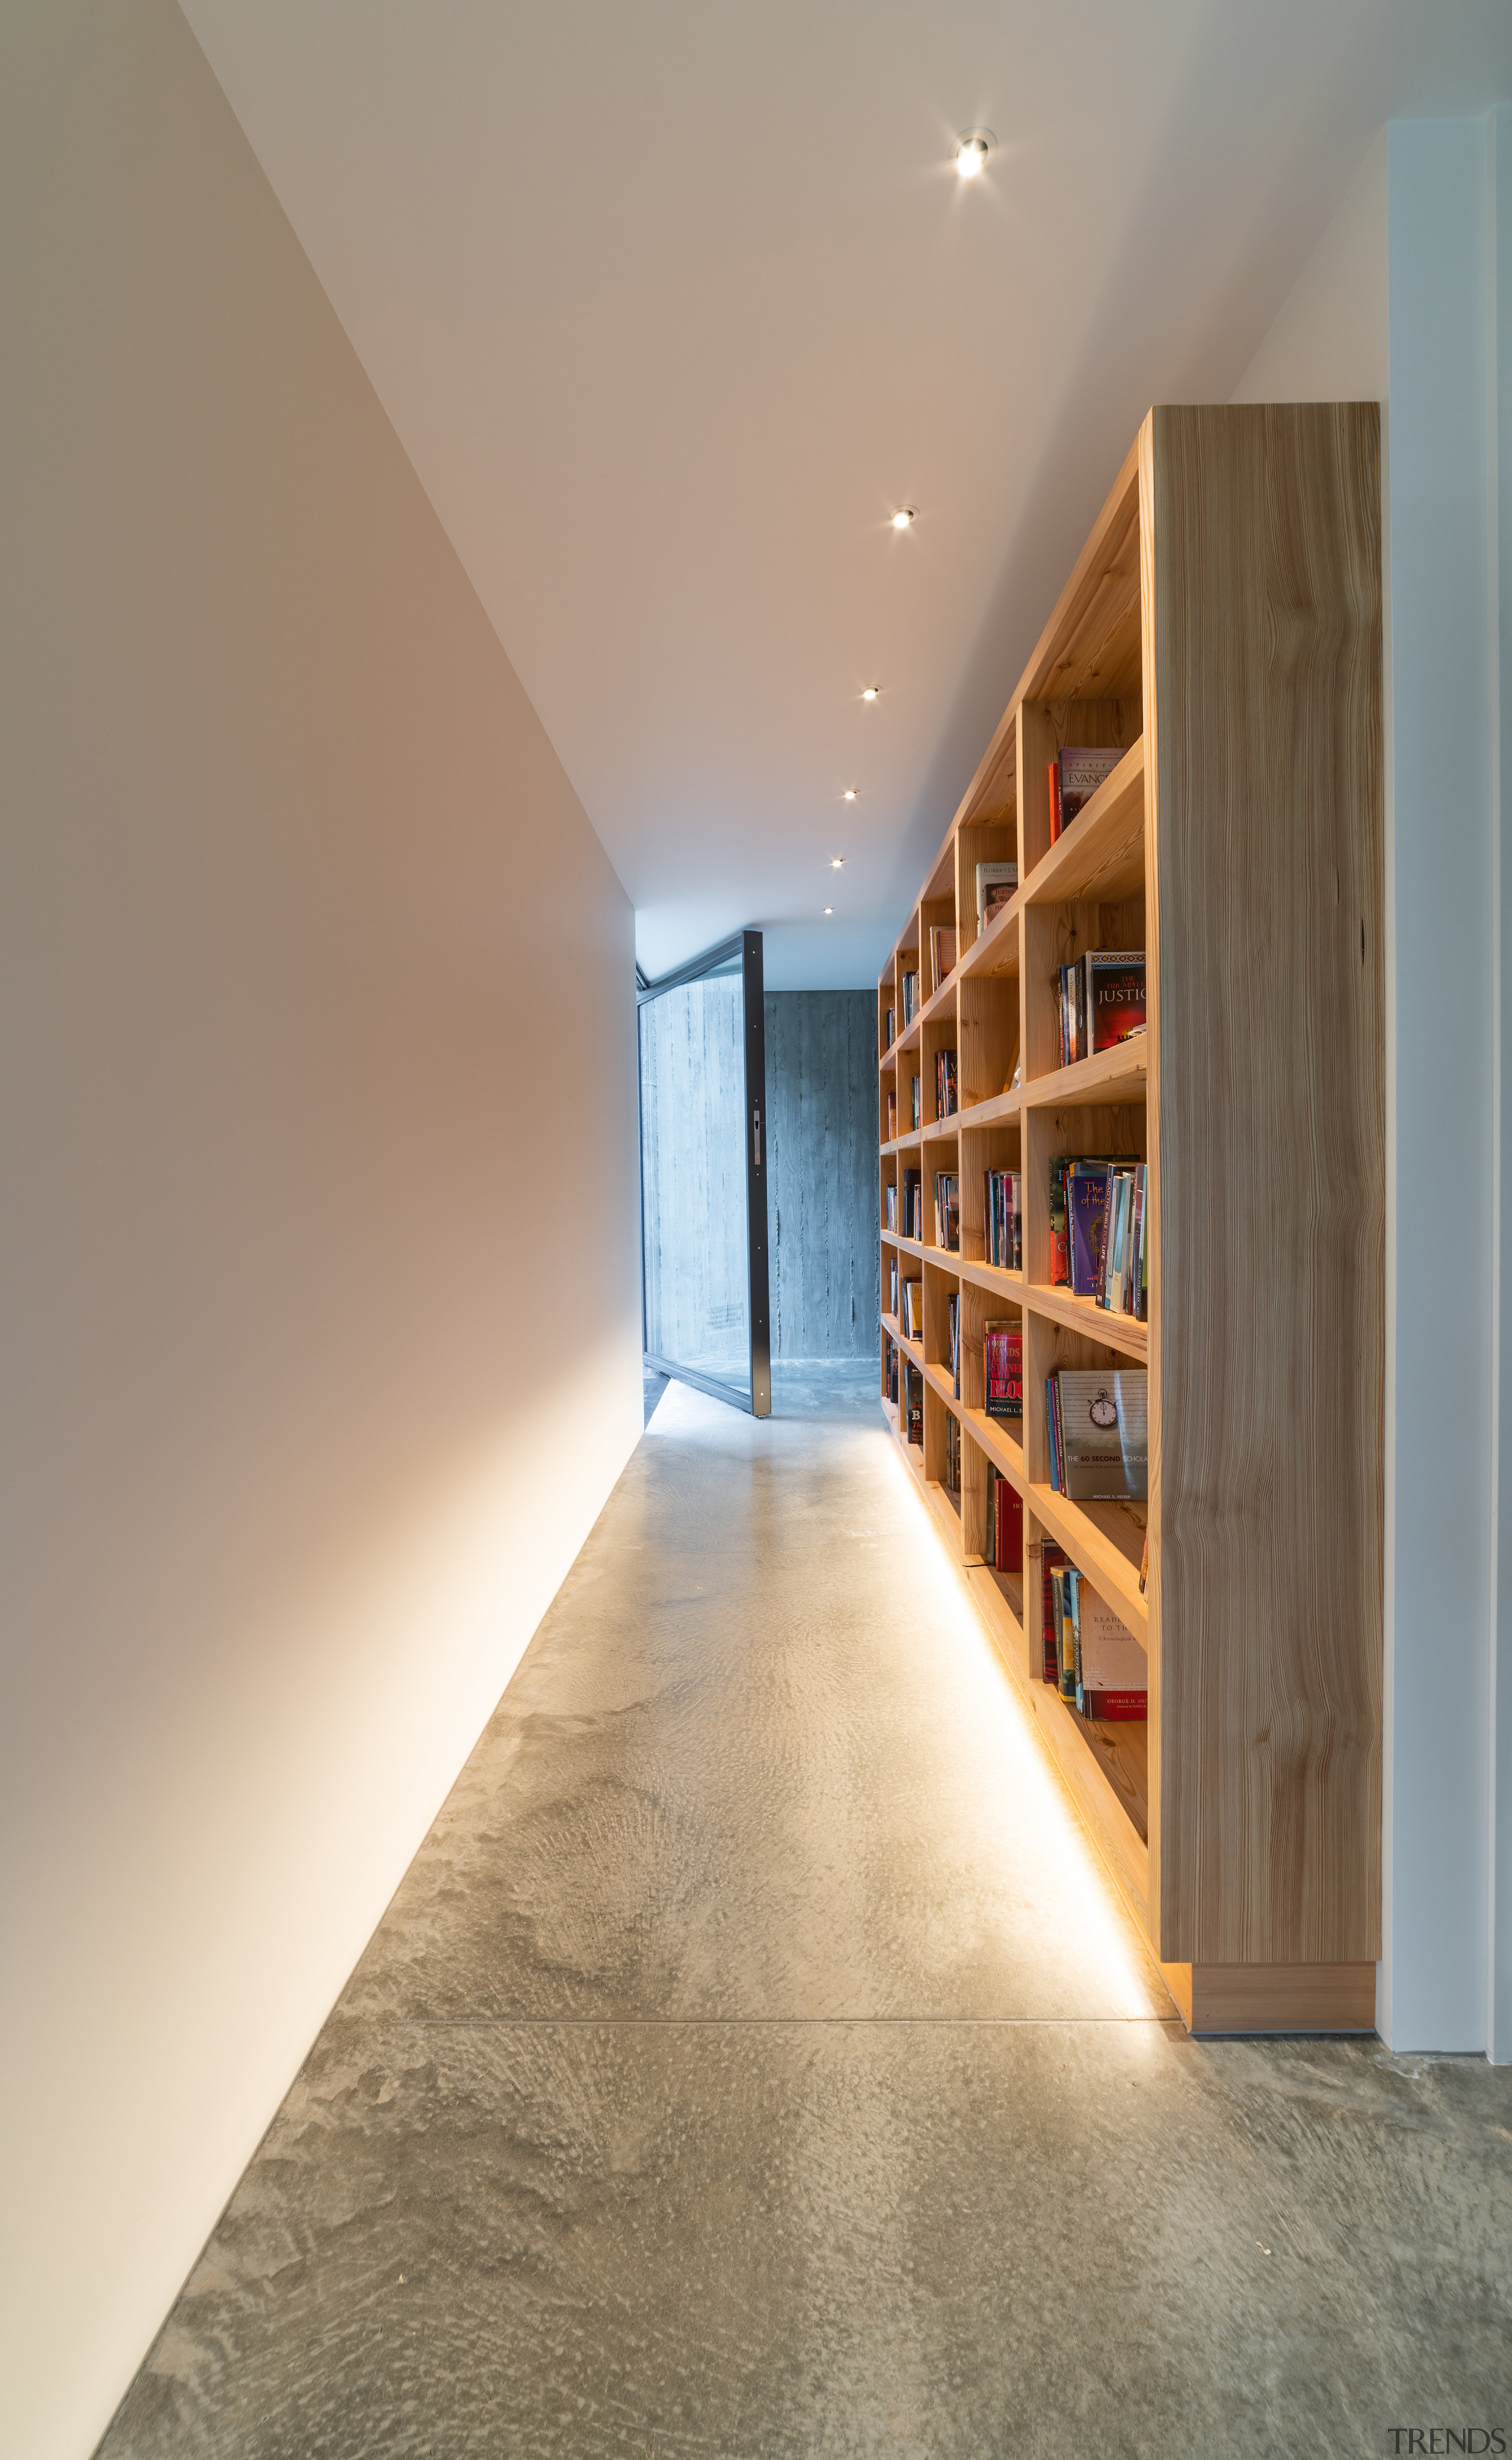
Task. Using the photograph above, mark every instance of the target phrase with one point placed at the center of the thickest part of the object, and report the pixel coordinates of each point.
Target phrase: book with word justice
(912, 1206)
(995, 885)
(1004, 1548)
(910, 997)
(1076, 773)
(1003, 1219)
(912, 1318)
(1098, 1424)
(953, 1315)
(945, 1101)
(913, 1404)
(1102, 1002)
(1002, 1365)
(947, 1209)
(943, 945)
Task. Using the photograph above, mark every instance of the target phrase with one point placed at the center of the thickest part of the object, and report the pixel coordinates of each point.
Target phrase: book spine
(1055, 799)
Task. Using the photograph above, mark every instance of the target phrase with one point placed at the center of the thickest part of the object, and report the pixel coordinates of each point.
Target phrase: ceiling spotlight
(837, 862)
(974, 151)
(903, 519)
(871, 692)
(829, 909)
(849, 796)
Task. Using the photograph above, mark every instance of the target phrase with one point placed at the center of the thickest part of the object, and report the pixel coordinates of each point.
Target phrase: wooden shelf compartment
(1236, 739)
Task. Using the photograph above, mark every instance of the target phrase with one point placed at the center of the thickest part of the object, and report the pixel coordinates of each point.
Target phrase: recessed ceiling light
(837, 862)
(829, 909)
(974, 151)
(849, 796)
(904, 516)
(871, 691)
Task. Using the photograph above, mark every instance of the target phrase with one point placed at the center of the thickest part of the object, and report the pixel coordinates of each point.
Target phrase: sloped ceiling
(673, 305)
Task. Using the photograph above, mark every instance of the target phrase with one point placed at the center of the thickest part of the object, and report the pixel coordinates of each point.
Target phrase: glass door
(703, 1175)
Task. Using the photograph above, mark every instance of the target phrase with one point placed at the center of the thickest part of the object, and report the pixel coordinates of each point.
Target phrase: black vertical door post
(756, 1177)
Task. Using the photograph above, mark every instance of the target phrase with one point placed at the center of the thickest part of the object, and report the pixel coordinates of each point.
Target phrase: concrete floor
(754, 2061)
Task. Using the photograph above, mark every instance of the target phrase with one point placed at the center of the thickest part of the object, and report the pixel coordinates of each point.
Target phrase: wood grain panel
(1267, 827)
(1275, 1998)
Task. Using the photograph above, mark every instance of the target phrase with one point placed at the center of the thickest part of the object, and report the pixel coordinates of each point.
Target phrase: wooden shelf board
(1124, 1332)
(1119, 1074)
(994, 1437)
(940, 1379)
(1083, 652)
(991, 1113)
(1105, 1543)
(994, 1278)
(996, 953)
(1102, 854)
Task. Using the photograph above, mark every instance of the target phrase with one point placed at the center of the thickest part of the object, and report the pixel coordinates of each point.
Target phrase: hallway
(755, 2061)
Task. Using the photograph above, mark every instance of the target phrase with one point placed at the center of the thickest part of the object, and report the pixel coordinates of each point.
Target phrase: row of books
(1100, 1230)
(946, 1102)
(910, 997)
(1076, 773)
(1090, 1655)
(1004, 1536)
(888, 1037)
(944, 947)
(912, 1206)
(1099, 1428)
(1102, 1002)
(1003, 1219)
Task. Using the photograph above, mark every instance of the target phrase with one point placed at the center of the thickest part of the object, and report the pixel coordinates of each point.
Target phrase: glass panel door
(703, 1175)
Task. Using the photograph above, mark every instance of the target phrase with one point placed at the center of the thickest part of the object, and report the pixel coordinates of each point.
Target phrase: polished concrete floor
(755, 2063)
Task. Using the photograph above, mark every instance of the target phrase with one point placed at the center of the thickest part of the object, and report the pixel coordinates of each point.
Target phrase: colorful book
(1003, 1219)
(910, 996)
(1113, 996)
(916, 1104)
(1046, 1558)
(913, 1317)
(952, 1313)
(1002, 1362)
(943, 946)
(945, 1096)
(913, 1404)
(947, 1209)
(997, 883)
(891, 1114)
(1007, 1525)
(1086, 1206)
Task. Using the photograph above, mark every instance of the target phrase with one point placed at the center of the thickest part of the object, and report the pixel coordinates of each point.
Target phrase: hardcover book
(1051, 1558)
(891, 1115)
(888, 1036)
(1112, 1668)
(1114, 996)
(890, 1193)
(1103, 1433)
(916, 1104)
(947, 1209)
(914, 1309)
(945, 1100)
(1003, 1359)
(995, 885)
(1082, 768)
(1007, 1526)
(942, 950)
(910, 995)
(1087, 1210)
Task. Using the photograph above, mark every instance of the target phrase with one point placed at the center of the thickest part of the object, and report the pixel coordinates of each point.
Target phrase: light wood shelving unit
(1223, 625)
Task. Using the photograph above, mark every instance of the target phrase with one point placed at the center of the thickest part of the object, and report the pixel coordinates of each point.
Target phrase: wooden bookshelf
(1223, 628)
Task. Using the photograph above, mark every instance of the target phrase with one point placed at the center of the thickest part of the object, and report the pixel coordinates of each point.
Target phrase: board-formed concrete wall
(822, 1176)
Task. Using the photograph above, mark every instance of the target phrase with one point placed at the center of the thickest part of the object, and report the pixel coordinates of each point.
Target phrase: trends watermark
(1407, 2439)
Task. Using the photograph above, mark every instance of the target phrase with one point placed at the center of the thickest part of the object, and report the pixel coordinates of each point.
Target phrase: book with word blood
(1002, 1360)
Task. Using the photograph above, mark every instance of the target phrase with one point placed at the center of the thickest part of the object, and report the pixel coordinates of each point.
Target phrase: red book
(1115, 996)
(1008, 1537)
(1055, 801)
(1002, 1344)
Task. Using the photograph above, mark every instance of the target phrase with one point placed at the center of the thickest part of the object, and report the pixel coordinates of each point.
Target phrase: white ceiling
(671, 306)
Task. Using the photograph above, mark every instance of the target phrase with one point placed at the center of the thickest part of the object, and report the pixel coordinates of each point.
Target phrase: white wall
(1405, 300)
(319, 1320)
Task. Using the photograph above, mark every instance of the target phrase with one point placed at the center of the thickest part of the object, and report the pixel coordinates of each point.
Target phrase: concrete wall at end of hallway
(321, 1312)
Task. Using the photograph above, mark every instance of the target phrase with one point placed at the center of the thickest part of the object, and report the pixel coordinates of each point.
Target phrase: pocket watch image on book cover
(1105, 1422)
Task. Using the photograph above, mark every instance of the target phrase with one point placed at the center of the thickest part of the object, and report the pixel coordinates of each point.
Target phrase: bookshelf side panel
(1266, 632)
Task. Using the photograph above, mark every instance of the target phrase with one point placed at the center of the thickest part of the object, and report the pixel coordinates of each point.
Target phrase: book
(995, 885)
(913, 1405)
(947, 1209)
(1051, 1558)
(953, 1461)
(1086, 1210)
(1002, 1366)
(910, 996)
(1113, 996)
(891, 1370)
(891, 1115)
(1082, 769)
(893, 1287)
(1062, 1584)
(1112, 1670)
(1003, 1219)
(912, 1316)
(912, 1206)
(916, 1106)
(1061, 1167)
(945, 1101)
(888, 1036)
(943, 946)
(1099, 1434)
(1007, 1525)
(1054, 790)
(953, 1314)
(890, 1203)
